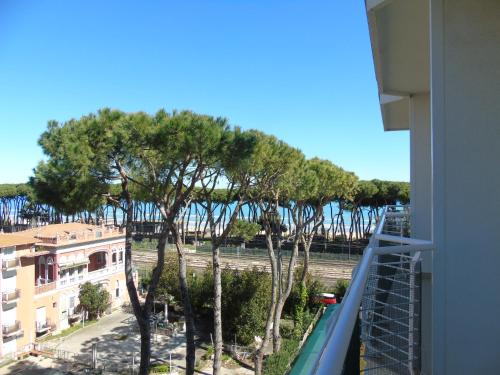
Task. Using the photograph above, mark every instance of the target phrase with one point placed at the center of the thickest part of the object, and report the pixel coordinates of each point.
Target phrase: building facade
(437, 64)
(42, 270)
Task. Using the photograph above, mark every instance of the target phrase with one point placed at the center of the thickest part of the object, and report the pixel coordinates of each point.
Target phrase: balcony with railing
(82, 235)
(10, 330)
(376, 329)
(45, 285)
(10, 264)
(44, 327)
(11, 296)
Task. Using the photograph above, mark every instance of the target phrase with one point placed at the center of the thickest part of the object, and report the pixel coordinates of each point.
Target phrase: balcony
(11, 296)
(9, 330)
(10, 264)
(74, 316)
(44, 327)
(45, 286)
(376, 329)
(80, 236)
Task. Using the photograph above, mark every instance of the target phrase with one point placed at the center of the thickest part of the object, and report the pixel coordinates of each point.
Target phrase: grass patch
(227, 359)
(6, 362)
(159, 368)
(68, 331)
(208, 354)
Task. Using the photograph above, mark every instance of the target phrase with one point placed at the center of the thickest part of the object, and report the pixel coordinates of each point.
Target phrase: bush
(313, 288)
(340, 288)
(94, 299)
(245, 301)
(278, 363)
(208, 354)
(160, 367)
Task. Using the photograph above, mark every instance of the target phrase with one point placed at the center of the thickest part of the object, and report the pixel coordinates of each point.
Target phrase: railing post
(351, 364)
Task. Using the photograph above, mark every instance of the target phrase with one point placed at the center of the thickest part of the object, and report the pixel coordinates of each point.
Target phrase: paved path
(37, 366)
(118, 341)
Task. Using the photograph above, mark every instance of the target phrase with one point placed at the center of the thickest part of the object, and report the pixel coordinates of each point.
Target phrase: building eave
(399, 36)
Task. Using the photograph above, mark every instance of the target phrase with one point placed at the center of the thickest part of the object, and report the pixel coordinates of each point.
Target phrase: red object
(327, 298)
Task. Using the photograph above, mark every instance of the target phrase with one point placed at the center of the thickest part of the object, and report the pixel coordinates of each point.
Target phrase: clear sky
(301, 70)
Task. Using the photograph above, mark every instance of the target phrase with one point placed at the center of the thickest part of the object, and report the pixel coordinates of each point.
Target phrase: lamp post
(168, 299)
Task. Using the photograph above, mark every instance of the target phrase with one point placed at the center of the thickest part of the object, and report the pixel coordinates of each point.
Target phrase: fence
(378, 325)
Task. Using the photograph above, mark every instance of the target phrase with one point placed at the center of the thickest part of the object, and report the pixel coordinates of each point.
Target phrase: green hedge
(278, 363)
(159, 368)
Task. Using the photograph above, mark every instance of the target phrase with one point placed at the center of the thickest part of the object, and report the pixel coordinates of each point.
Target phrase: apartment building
(42, 270)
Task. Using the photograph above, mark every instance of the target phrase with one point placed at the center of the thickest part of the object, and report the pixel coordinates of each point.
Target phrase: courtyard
(117, 342)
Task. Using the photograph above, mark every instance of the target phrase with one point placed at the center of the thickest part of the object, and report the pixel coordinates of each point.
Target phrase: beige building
(42, 270)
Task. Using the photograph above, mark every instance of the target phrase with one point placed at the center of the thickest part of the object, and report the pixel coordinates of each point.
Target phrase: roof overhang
(399, 34)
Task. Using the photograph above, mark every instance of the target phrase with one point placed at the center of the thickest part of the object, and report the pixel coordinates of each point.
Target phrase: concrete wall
(465, 86)
(421, 210)
(420, 167)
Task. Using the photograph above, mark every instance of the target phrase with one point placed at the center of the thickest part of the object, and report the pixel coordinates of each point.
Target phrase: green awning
(311, 350)
(63, 267)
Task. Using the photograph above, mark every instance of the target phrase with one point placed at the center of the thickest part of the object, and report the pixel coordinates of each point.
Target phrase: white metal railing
(79, 278)
(390, 247)
(44, 326)
(11, 329)
(11, 296)
(10, 264)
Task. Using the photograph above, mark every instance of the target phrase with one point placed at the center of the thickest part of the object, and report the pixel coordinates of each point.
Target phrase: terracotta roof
(55, 235)
(36, 254)
(55, 229)
(8, 239)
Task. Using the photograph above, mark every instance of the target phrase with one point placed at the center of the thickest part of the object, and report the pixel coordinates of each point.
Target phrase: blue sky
(301, 70)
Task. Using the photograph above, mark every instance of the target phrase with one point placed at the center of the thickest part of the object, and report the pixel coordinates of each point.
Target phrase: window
(120, 256)
(113, 258)
(100, 258)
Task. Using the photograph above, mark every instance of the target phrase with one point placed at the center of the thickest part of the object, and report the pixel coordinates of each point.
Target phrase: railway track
(327, 271)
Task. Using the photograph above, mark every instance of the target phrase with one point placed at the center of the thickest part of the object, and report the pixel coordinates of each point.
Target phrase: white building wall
(465, 80)
(421, 210)
(420, 167)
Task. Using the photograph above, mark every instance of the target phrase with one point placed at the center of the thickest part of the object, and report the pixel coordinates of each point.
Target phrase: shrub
(278, 363)
(340, 288)
(160, 367)
(94, 299)
(209, 353)
(246, 296)
(313, 288)
(299, 310)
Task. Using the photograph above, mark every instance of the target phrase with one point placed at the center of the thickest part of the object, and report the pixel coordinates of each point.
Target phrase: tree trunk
(186, 302)
(283, 294)
(217, 310)
(259, 355)
(145, 331)
(132, 292)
